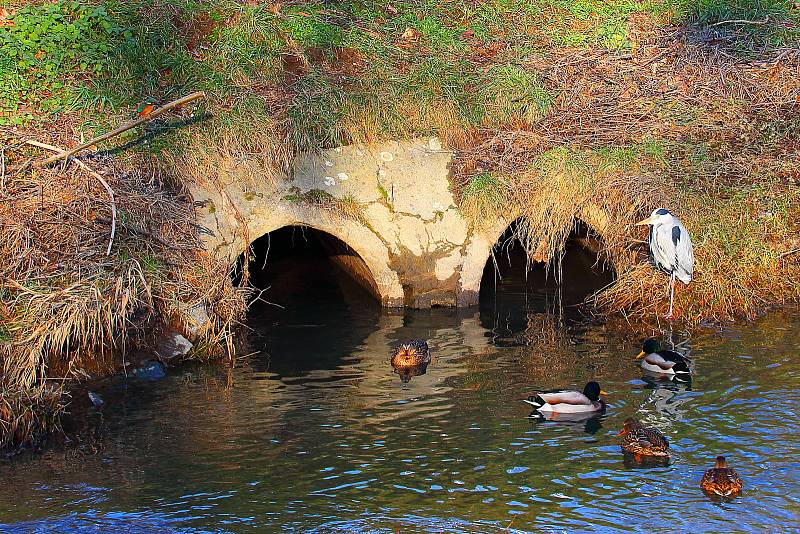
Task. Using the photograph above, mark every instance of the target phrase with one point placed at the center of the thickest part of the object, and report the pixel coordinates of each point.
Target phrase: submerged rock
(151, 370)
(173, 345)
(96, 399)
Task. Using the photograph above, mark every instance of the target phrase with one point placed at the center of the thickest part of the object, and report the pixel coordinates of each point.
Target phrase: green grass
(110, 55)
(5, 335)
(482, 196)
(49, 48)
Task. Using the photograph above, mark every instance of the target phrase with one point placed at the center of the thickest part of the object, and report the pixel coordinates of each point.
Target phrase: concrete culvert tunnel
(511, 282)
(318, 301)
(301, 267)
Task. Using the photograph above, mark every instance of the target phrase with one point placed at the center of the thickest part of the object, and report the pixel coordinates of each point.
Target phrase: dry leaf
(410, 34)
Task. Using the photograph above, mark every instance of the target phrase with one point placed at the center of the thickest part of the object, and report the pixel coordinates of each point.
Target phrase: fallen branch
(125, 127)
(62, 153)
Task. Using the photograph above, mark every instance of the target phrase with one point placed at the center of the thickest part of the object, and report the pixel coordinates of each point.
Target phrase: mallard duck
(642, 441)
(664, 362)
(721, 480)
(569, 401)
(411, 358)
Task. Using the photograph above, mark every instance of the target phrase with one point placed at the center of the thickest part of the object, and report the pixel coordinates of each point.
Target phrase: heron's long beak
(645, 222)
(640, 355)
(603, 392)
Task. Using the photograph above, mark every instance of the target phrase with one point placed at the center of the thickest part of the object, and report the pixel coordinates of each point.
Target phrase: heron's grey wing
(663, 248)
(684, 252)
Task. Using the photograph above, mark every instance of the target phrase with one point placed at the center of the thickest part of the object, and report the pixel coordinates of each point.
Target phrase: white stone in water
(328, 163)
(342, 176)
(387, 156)
(329, 180)
(381, 172)
(196, 318)
(173, 345)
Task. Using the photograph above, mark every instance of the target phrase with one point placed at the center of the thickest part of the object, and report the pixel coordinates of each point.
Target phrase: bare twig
(740, 21)
(125, 127)
(96, 176)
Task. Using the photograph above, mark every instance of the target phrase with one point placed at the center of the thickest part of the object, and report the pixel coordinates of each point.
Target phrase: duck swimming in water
(640, 440)
(664, 362)
(569, 401)
(411, 358)
(721, 480)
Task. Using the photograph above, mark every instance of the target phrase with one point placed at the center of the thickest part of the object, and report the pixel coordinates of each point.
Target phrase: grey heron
(671, 248)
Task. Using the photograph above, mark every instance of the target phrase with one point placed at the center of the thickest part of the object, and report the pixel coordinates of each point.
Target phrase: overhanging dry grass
(680, 124)
(66, 305)
(28, 415)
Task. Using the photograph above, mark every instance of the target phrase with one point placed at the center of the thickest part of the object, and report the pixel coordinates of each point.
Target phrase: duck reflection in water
(589, 423)
(632, 461)
(666, 397)
(406, 373)
(411, 358)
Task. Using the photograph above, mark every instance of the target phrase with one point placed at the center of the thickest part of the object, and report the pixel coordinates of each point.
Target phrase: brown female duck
(643, 441)
(721, 480)
(411, 358)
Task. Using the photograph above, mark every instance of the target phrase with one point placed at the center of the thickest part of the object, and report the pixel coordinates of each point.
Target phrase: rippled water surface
(316, 433)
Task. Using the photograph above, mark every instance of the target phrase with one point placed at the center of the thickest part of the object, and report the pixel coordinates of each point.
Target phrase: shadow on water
(312, 314)
(514, 290)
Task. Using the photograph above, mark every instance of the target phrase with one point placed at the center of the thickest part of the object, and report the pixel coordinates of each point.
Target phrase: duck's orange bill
(641, 355)
(603, 392)
(621, 432)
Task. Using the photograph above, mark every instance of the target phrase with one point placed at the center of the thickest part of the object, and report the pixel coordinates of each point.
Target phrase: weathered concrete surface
(410, 245)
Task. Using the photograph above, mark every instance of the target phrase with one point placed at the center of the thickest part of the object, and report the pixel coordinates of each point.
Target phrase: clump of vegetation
(75, 294)
(483, 196)
(29, 415)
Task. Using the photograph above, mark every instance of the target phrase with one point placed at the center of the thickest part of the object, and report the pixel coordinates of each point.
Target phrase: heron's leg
(671, 294)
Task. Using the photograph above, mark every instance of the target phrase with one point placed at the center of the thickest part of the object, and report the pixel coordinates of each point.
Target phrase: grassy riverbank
(549, 105)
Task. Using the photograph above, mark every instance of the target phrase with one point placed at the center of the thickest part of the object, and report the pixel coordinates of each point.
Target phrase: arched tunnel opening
(315, 295)
(513, 286)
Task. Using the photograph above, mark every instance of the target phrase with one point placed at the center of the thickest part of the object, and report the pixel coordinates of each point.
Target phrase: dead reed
(28, 415)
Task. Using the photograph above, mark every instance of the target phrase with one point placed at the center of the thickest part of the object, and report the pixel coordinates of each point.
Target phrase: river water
(314, 432)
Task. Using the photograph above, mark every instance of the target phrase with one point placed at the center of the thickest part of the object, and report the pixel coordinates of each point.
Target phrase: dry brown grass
(68, 309)
(709, 136)
(28, 415)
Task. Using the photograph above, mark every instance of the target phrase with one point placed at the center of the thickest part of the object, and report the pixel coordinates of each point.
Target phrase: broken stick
(125, 127)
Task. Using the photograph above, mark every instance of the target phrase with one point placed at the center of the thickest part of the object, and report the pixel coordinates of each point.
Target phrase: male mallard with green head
(642, 441)
(569, 401)
(664, 362)
(721, 480)
(410, 358)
